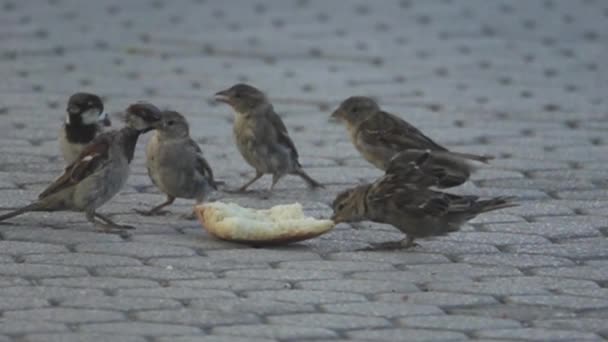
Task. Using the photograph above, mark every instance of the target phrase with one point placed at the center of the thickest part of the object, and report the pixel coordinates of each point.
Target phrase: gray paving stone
(539, 334)
(134, 249)
(232, 284)
(281, 274)
(515, 260)
(99, 282)
(306, 296)
(551, 230)
(285, 332)
(497, 239)
(77, 337)
(196, 317)
(580, 324)
(23, 248)
(174, 292)
(149, 272)
(210, 338)
(41, 271)
(525, 313)
(338, 266)
(207, 264)
(64, 315)
(120, 303)
(82, 259)
(10, 281)
(457, 322)
(574, 250)
(19, 303)
(588, 291)
(412, 335)
(440, 299)
(596, 273)
(260, 255)
(330, 321)
(358, 285)
(139, 328)
(382, 309)
(389, 257)
(562, 301)
(19, 327)
(57, 236)
(253, 305)
(47, 292)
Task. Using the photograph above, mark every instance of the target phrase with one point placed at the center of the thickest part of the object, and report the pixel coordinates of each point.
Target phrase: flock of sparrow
(407, 196)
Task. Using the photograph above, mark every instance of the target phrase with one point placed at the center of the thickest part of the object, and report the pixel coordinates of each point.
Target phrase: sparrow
(99, 172)
(176, 164)
(84, 120)
(390, 143)
(261, 136)
(404, 201)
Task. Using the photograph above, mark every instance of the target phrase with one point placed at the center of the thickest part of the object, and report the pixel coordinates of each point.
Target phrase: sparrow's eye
(237, 95)
(355, 109)
(170, 123)
(341, 206)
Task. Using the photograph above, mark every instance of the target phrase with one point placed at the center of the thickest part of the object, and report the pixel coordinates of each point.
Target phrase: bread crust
(228, 221)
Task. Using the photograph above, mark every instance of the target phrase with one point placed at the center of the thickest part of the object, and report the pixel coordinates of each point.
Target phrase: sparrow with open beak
(404, 201)
(390, 143)
(85, 119)
(176, 164)
(99, 172)
(261, 136)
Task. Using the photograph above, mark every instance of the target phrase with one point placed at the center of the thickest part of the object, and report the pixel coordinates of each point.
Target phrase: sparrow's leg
(108, 221)
(258, 175)
(109, 226)
(275, 179)
(157, 210)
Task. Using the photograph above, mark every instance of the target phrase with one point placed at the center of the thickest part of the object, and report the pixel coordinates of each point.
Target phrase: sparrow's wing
(391, 131)
(201, 164)
(90, 159)
(412, 167)
(282, 135)
(393, 194)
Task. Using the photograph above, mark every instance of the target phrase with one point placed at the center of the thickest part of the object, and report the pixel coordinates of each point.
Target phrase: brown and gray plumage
(85, 119)
(390, 143)
(176, 164)
(99, 172)
(404, 201)
(261, 136)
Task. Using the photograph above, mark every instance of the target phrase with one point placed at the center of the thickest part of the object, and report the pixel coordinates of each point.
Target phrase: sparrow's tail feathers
(36, 206)
(496, 203)
(309, 181)
(483, 159)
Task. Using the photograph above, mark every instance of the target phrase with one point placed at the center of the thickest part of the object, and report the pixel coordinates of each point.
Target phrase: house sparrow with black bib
(99, 172)
(176, 164)
(85, 119)
(404, 201)
(261, 136)
(390, 143)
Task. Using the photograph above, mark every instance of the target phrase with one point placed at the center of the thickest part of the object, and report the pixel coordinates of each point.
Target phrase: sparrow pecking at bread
(404, 201)
(176, 164)
(84, 120)
(390, 143)
(99, 172)
(261, 136)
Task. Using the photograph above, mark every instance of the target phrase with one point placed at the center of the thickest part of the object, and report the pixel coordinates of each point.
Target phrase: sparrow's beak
(335, 116)
(104, 119)
(335, 218)
(222, 96)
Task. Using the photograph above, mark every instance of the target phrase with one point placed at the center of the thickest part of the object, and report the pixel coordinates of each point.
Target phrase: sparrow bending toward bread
(390, 143)
(84, 120)
(176, 164)
(261, 136)
(99, 172)
(404, 201)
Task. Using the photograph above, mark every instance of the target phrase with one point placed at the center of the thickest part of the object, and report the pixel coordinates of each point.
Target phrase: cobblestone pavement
(523, 80)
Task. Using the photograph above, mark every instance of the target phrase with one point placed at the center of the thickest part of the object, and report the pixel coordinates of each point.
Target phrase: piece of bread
(280, 224)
